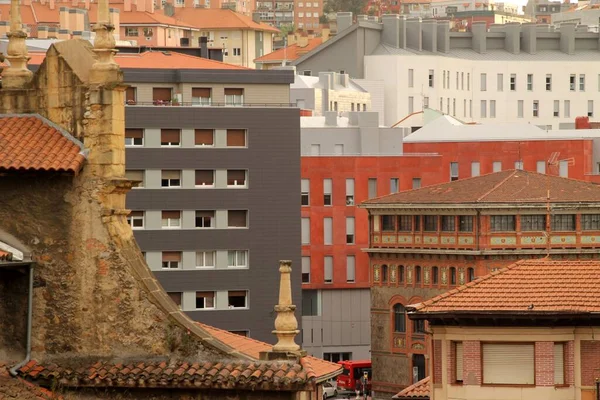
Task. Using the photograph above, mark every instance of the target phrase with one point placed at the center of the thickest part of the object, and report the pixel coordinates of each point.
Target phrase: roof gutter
(326, 377)
(15, 370)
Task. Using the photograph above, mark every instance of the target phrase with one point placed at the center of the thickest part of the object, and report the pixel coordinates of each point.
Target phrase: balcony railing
(212, 104)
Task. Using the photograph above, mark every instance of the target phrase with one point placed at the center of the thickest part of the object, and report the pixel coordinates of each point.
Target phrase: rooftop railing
(160, 103)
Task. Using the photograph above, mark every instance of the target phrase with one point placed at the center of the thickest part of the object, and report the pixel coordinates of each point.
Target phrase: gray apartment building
(217, 155)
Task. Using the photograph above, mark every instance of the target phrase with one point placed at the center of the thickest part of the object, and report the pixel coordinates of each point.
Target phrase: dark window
(236, 177)
(399, 318)
(161, 95)
(205, 299)
(204, 219)
(134, 137)
(131, 95)
(430, 223)
(419, 326)
(465, 223)
(418, 274)
(502, 223)
(384, 273)
(405, 223)
(470, 274)
(237, 218)
(237, 298)
(388, 223)
(434, 275)
(448, 223)
(204, 137)
(176, 297)
(205, 177)
(533, 223)
(452, 276)
(563, 222)
(310, 303)
(400, 273)
(590, 222)
(417, 223)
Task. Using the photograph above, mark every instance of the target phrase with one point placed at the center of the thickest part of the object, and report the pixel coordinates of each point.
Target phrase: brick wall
(471, 362)
(590, 362)
(451, 362)
(570, 363)
(544, 363)
(437, 361)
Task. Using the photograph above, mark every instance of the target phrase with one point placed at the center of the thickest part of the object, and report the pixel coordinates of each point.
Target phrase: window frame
(399, 323)
(528, 224)
(237, 186)
(561, 219)
(483, 383)
(131, 218)
(169, 220)
(246, 302)
(237, 257)
(503, 222)
(205, 307)
(587, 225)
(211, 219)
(204, 253)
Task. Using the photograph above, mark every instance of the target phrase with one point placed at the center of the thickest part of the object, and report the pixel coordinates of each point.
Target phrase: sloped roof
(11, 387)
(528, 286)
(219, 18)
(419, 390)
(291, 52)
(510, 186)
(32, 143)
(251, 347)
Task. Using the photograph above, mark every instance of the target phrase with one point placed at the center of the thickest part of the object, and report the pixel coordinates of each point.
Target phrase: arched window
(435, 275)
(400, 273)
(452, 276)
(399, 318)
(384, 273)
(471, 274)
(418, 274)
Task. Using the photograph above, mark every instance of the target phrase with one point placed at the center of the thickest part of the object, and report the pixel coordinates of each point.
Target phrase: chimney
(512, 38)
(430, 35)
(52, 32)
(150, 6)
(286, 324)
(86, 4)
(302, 41)
(390, 34)
(479, 38)
(325, 33)
(63, 34)
(52, 4)
(64, 18)
(72, 19)
(42, 32)
(79, 20)
(529, 42)
(291, 39)
(414, 35)
(330, 118)
(402, 32)
(115, 20)
(567, 37)
(256, 17)
(443, 36)
(203, 41)
(127, 5)
(344, 21)
(140, 5)
(158, 5)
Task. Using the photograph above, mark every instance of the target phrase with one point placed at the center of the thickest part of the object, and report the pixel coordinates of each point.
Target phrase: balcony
(162, 103)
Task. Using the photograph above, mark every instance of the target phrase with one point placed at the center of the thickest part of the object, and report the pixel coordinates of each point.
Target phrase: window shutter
(305, 185)
(328, 269)
(459, 361)
(241, 293)
(327, 186)
(163, 94)
(205, 176)
(200, 92)
(237, 218)
(559, 363)
(236, 137)
(208, 295)
(134, 133)
(350, 225)
(171, 256)
(204, 137)
(130, 94)
(171, 214)
(306, 265)
(234, 175)
(136, 214)
(508, 364)
(170, 135)
(170, 174)
(350, 268)
(134, 175)
(350, 187)
(234, 92)
(176, 297)
(205, 214)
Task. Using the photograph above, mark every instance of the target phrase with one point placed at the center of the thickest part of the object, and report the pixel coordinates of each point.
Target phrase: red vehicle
(353, 370)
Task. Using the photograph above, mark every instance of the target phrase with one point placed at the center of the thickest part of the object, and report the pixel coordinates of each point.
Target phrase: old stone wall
(13, 312)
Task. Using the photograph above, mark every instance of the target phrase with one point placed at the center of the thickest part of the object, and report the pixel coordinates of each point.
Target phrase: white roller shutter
(559, 363)
(505, 363)
(459, 360)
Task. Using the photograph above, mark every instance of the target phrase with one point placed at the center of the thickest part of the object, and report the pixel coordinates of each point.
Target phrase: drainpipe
(14, 370)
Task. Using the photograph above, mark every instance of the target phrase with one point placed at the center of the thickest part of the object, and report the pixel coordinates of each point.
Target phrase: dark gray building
(218, 155)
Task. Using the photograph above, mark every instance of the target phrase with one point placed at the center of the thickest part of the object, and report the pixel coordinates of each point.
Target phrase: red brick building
(424, 242)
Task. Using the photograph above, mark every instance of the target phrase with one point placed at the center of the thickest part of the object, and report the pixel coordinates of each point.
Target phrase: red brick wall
(451, 362)
(590, 362)
(472, 362)
(437, 361)
(570, 363)
(544, 363)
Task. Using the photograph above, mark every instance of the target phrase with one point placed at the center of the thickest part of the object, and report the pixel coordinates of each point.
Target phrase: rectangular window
(328, 269)
(170, 219)
(540, 167)
(530, 82)
(430, 78)
(394, 185)
(237, 178)
(416, 183)
(417, 223)
(305, 269)
(563, 222)
(513, 82)
(444, 79)
(465, 223)
(350, 230)
(483, 109)
(548, 82)
(236, 138)
(237, 51)
(590, 222)
(457, 80)
(349, 192)
(462, 81)
(563, 168)
(170, 137)
(176, 297)
(497, 166)
(388, 223)
(201, 96)
(475, 168)
(468, 81)
(237, 258)
(519, 164)
(305, 192)
(410, 104)
(556, 110)
(237, 218)
(135, 219)
(492, 108)
(234, 97)
(453, 171)
(536, 108)
(430, 223)
(405, 223)
(131, 95)
(590, 111)
(500, 82)
(131, 32)
(328, 231)
(502, 223)
(483, 83)
(205, 178)
(327, 192)
(582, 83)
(533, 223)
(205, 300)
(205, 219)
(448, 223)
(411, 81)
(171, 259)
(508, 364)
(372, 187)
(205, 259)
(237, 299)
(134, 137)
(204, 137)
(567, 105)
(350, 269)
(458, 361)
(520, 108)
(161, 96)
(559, 363)
(305, 228)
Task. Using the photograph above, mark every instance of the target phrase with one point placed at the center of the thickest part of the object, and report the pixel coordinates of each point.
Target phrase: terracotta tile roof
(18, 388)
(26, 14)
(550, 286)
(246, 375)
(156, 60)
(511, 186)
(220, 19)
(322, 369)
(32, 143)
(291, 52)
(419, 390)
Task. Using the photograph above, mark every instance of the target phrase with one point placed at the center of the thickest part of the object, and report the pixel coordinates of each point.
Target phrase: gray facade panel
(139, 75)
(273, 161)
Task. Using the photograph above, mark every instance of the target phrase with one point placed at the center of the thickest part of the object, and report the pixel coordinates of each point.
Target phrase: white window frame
(245, 300)
(237, 255)
(169, 180)
(212, 221)
(170, 263)
(510, 360)
(350, 192)
(237, 186)
(172, 223)
(214, 300)
(131, 218)
(203, 254)
(130, 142)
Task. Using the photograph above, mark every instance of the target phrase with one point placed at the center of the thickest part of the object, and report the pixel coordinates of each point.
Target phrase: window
(556, 110)
(237, 299)
(430, 78)
(411, 106)
(563, 168)
(492, 108)
(237, 218)
(328, 269)
(452, 276)
(236, 138)
(170, 219)
(305, 192)
(530, 82)
(419, 326)
(430, 223)
(417, 223)
(327, 231)
(384, 273)
(237, 258)
(237, 178)
(205, 219)
(388, 223)
(502, 223)
(520, 108)
(131, 96)
(394, 184)
(462, 81)
(563, 222)
(204, 137)
(131, 32)
(334, 358)
(536, 108)
(454, 107)
(136, 176)
(234, 97)
(201, 96)
(453, 171)
(417, 274)
(548, 82)
(134, 137)
(161, 96)
(483, 82)
(305, 228)
(135, 219)
(468, 81)
(171, 259)
(311, 303)
(533, 223)
(170, 137)
(590, 111)
(205, 178)
(567, 105)
(205, 259)
(416, 183)
(519, 164)
(400, 273)
(475, 168)
(405, 223)
(500, 83)
(590, 222)
(559, 363)
(582, 83)
(411, 82)
(435, 272)
(470, 274)
(444, 79)
(483, 109)
(540, 167)
(458, 361)
(513, 82)
(307, 73)
(372, 183)
(497, 166)
(205, 300)
(350, 230)
(237, 51)
(350, 192)
(572, 82)
(327, 192)
(305, 269)
(170, 179)
(508, 364)
(350, 269)
(448, 223)
(465, 223)
(399, 318)
(176, 297)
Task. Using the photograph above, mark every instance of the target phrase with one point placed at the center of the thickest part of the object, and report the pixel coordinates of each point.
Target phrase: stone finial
(16, 76)
(105, 69)
(286, 325)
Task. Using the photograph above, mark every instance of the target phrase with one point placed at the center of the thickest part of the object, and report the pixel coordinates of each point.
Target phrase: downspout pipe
(14, 371)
